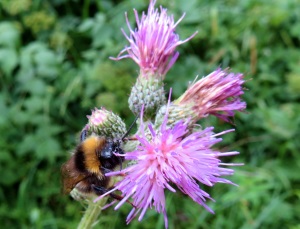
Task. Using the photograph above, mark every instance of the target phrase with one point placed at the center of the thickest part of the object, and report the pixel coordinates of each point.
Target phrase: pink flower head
(153, 43)
(105, 123)
(216, 94)
(98, 117)
(170, 157)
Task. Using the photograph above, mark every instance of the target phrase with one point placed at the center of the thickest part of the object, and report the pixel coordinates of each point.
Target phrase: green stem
(85, 11)
(91, 214)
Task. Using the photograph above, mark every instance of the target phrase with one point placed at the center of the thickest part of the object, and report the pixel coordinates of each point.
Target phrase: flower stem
(91, 214)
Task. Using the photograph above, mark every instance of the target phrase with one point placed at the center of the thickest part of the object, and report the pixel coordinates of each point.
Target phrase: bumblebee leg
(120, 161)
(118, 197)
(130, 139)
(105, 170)
(99, 190)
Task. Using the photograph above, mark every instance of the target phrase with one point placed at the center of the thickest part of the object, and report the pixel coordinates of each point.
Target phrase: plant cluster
(54, 68)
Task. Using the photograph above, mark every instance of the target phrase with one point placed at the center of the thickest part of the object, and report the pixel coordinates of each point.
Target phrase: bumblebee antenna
(129, 129)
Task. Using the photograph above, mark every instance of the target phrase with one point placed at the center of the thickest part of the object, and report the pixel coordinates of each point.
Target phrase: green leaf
(9, 35)
(8, 60)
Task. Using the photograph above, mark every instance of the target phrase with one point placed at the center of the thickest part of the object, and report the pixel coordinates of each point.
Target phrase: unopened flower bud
(147, 92)
(105, 123)
(175, 113)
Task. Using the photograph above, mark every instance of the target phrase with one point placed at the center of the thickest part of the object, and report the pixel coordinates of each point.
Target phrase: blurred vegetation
(54, 69)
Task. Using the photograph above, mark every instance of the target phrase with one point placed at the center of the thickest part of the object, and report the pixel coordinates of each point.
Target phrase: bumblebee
(93, 157)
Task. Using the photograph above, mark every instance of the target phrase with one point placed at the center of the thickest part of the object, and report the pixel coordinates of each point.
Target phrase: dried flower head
(153, 43)
(171, 156)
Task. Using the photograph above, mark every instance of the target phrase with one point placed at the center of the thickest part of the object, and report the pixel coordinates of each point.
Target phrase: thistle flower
(169, 157)
(153, 43)
(217, 94)
(153, 47)
(105, 123)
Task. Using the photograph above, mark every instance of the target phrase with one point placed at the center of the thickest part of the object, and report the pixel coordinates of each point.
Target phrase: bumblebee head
(110, 149)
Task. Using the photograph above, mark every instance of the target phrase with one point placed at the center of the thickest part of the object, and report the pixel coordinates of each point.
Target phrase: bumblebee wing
(70, 175)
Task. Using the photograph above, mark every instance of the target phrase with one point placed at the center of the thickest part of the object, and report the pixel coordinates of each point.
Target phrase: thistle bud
(147, 92)
(105, 123)
(175, 113)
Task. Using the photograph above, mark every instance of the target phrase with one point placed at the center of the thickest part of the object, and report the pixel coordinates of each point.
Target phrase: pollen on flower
(170, 157)
(152, 45)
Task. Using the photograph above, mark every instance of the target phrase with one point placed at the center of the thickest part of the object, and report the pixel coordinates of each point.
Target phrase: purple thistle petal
(217, 94)
(153, 43)
(172, 157)
(108, 205)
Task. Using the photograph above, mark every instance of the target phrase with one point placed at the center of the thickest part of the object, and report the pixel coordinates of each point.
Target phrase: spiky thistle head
(218, 94)
(152, 45)
(170, 157)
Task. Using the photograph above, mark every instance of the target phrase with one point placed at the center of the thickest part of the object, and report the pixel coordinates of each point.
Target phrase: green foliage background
(54, 69)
